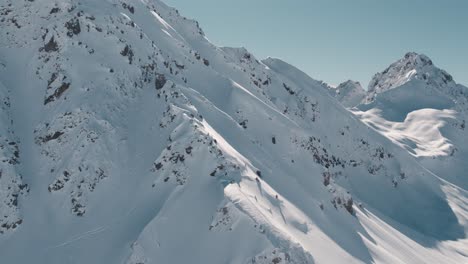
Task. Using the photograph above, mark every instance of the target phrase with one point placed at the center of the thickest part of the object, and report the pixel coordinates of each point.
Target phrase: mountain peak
(413, 66)
(350, 83)
(417, 60)
(349, 93)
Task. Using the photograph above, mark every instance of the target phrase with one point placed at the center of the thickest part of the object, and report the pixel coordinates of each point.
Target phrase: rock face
(127, 137)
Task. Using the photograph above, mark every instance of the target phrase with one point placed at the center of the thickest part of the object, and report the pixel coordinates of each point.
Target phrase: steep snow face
(349, 93)
(12, 189)
(136, 140)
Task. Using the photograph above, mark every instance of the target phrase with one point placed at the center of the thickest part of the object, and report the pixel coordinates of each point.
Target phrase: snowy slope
(11, 184)
(139, 141)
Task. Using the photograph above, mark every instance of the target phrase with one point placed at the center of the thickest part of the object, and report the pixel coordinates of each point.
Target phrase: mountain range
(126, 136)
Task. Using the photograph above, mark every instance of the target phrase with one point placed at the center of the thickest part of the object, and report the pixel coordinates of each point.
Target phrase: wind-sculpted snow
(127, 137)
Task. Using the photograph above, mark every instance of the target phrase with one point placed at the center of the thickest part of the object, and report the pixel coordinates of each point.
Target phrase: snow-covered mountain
(127, 137)
(349, 93)
(421, 108)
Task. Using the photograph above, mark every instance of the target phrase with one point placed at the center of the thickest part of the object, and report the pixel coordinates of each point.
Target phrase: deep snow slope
(127, 137)
(422, 109)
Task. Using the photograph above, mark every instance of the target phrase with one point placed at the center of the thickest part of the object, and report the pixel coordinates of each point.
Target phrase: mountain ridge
(142, 142)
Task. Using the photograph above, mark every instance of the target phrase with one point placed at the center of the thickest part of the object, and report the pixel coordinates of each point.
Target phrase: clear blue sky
(335, 40)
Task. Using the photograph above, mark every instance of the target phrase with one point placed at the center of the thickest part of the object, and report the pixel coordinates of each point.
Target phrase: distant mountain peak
(413, 66)
(417, 59)
(349, 93)
(350, 83)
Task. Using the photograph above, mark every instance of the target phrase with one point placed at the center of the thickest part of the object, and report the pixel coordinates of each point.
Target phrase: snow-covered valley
(127, 137)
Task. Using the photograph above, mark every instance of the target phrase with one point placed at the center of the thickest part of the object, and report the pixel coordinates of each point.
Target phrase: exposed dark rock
(288, 89)
(127, 52)
(57, 93)
(54, 10)
(50, 46)
(73, 27)
(326, 178)
(160, 81)
(188, 150)
(77, 208)
(50, 137)
(276, 260)
(158, 166)
(243, 124)
(128, 7)
(348, 205)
